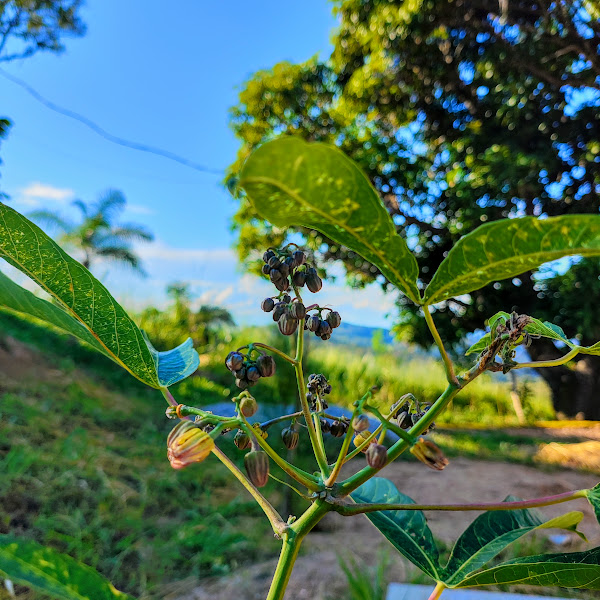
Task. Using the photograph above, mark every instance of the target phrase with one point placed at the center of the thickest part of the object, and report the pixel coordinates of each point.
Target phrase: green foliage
(593, 496)
(37, 25)
(53, 573)
(504, 249)
(207, 325)
(316, 186)
(579, 570)
(86, 307)
(456, 122)
(406, 530)
(365, 582)
(484, 539)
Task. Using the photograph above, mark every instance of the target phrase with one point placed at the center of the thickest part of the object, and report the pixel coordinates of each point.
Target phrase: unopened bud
(266, 365)
(338, 429)
(360, 423)
(248, 406)
(290, 438)
(187, 444)
(376, 456)
(242, 440)
(257, 467)
(430, 454)
(361, 438)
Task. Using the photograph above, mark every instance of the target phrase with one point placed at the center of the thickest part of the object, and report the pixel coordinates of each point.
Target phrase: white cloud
(158, 250)
(139, 209)
(37, 195)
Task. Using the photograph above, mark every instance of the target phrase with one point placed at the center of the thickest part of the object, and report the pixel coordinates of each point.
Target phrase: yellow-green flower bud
(430, 454)
(187, 444)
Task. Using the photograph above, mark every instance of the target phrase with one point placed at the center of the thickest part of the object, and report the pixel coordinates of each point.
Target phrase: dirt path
(318, 576)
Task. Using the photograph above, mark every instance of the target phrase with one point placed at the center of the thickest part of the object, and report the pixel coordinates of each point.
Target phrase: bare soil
(318, 575)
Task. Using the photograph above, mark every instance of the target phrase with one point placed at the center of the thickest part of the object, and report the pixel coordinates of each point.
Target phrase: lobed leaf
(509, 247)
(492, 532)
(87, 309)
(50, 572)
(407, 530)
(293, 183)
(580, 570)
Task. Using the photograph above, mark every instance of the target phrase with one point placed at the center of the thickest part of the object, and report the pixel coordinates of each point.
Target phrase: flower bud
(287, 324)
(257, 467)
(361, 437)
(338, 429)
(430, 454)
(334, 319)
(279, 310)
(252, 373)
(297, 310)
(248, 406)
(299, 258)
(266, 365)
(299, 278)
(325, 426)
(290, 438)
(187, 444)
(360, 423)
(234, 361)
(268, 304)
(312, 323)
(241, 440)
(313, 281)
(376, 456)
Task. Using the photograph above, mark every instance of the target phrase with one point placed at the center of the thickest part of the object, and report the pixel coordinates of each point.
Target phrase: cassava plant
(292, 183)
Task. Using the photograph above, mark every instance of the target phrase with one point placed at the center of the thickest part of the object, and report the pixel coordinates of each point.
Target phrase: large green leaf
(580, 570)
(87, 310)
(293, 183)
(509, 247)
(50, 572)
(492, 532)
(407, 530)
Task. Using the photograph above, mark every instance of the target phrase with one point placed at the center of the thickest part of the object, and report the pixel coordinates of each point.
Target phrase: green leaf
(293, 183)
(492, 532)
(87, 310)
(407, 530)
(593, 497)
(580, 570)
(50, 572)
(509, 247)
(480, 345)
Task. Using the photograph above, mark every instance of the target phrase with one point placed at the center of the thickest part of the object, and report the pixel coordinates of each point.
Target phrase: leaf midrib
(328, 217)
(25, 270)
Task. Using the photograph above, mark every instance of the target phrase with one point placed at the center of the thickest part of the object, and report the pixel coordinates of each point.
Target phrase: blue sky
(165, 80)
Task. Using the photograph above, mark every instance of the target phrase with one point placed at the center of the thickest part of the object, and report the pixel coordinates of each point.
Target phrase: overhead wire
(109, 136)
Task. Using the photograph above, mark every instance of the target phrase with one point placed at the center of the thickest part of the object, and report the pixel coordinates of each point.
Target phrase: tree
(169, 328)
(459, 112)
(30, 26)
(97, 235)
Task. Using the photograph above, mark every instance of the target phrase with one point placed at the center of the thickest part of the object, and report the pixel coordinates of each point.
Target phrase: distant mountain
(359, 335)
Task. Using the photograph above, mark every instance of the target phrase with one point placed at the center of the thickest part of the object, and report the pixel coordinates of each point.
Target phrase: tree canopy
(459, 113)
(30, 26)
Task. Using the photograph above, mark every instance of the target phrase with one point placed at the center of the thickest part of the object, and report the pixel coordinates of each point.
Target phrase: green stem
(302, 477)
(312, 432)
(276, 420)
(350, 510)
(277, 523)
(409, 439)
(549, 363)
(401, 445)
(342, 455)
(437, 592)
(275, 351)
(292, 539)
(450, 375)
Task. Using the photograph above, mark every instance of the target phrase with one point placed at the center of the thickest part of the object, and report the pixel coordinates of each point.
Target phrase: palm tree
(97, 235)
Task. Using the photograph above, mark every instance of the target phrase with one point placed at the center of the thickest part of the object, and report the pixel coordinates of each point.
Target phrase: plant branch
(549, 363)
(342, 455)
(276, 420)
(277, 523)
(437, 591)
(358, 509)
(312, 432)
(409, 439)
(275, 351)
(449, 367)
